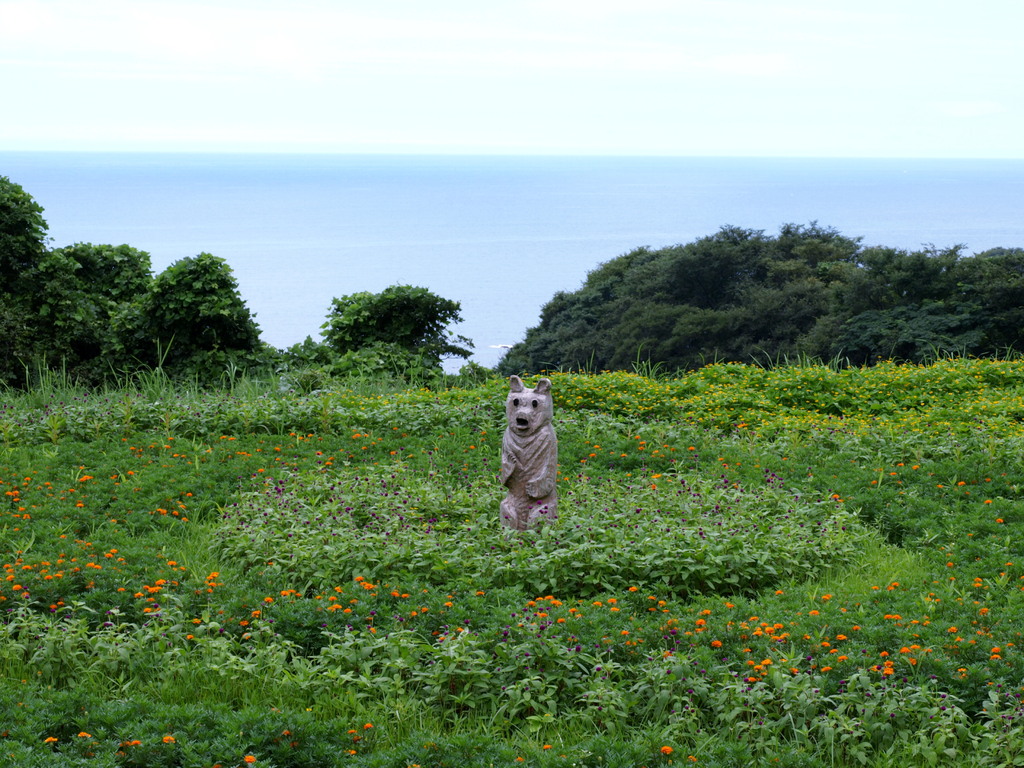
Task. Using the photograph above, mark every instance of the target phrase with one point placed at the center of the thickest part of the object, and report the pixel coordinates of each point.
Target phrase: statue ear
(543, 386)
(515, 384)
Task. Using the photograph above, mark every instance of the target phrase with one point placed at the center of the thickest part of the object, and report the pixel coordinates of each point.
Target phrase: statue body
(529, 457)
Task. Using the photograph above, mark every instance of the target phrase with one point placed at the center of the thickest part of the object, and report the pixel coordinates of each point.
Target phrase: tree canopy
(97, 310)
(737, 295)
(809, 291)
(401, 331)
(190, 319)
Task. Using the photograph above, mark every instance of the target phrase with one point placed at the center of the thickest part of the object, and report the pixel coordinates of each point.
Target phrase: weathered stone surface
(529, 457)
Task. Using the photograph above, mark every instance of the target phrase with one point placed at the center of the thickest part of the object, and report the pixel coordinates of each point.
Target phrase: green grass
(801, 565)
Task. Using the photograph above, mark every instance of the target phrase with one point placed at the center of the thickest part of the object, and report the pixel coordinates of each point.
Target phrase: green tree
(22, 246)
(807, 292)
(22, 237)
(93, 309)
(993, 283)
(79, 289)
(191, 322)
(402, 327)
(910, 333)
(736, 295)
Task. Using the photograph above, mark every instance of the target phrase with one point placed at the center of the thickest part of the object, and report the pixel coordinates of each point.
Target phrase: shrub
(191, 322)
(405, 327)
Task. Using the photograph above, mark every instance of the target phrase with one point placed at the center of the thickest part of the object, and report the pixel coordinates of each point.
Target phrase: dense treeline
(808, 292)
(97, 313)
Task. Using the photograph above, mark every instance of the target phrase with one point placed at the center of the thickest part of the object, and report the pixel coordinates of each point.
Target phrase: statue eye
(515, 401)
(534, 403)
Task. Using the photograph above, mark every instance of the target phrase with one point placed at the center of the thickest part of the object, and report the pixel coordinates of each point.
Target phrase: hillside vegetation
(800, 566)
(807, 293)
(97, 314)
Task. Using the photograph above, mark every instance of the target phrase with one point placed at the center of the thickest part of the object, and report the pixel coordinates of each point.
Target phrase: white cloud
(750, 64)
(970, 109)
(556, 72)
(311, 40)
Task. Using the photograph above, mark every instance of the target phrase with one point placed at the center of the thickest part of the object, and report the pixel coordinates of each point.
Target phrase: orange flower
(667, 750)
(250, 759)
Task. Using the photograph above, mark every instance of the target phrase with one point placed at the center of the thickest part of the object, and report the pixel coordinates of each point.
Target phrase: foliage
(22, 237)
(91, 311)
(800, 565)
(18, 334)
(64, 317)
(678, 535)
(809, 292)
(81, 288)
(191, 321)
(402, 329)
(22, 246)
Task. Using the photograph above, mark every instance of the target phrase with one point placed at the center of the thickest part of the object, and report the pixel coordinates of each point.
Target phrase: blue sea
(501, 235)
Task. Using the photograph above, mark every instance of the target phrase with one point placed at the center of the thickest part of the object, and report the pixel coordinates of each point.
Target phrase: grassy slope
(805, 564)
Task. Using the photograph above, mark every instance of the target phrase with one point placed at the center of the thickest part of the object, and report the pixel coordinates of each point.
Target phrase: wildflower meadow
(795, 566)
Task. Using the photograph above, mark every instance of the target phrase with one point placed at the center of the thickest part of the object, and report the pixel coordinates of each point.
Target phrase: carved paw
(539, 489)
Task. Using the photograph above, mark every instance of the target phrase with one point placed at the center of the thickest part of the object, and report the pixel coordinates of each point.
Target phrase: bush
(22, 237)
(80, 289)
(22, 246)
(807, 293)
(401, 330)
(191, 322)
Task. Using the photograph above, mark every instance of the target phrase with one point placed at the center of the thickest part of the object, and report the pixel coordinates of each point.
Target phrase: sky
(777, 78)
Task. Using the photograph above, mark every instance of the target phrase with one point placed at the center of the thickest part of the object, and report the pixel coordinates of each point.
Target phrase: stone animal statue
(529, 457)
